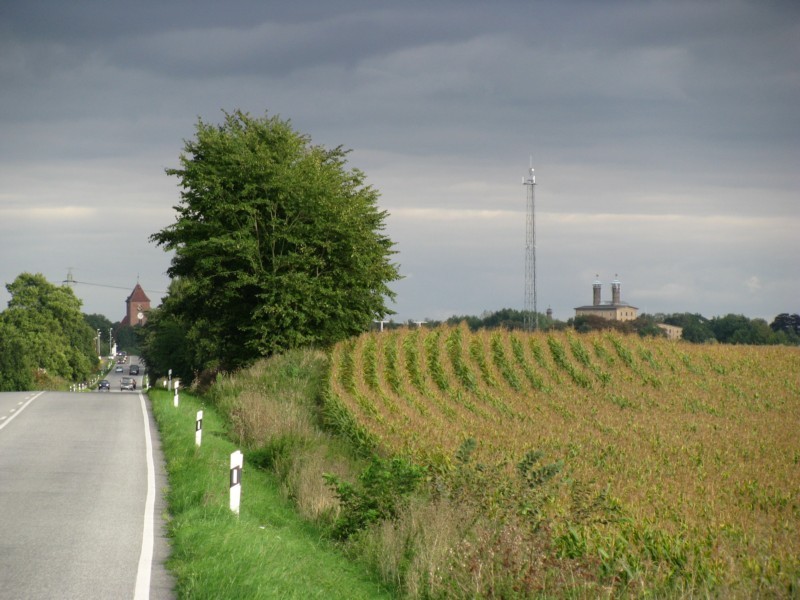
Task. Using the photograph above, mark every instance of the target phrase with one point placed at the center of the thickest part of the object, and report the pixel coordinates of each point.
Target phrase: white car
(127, 383)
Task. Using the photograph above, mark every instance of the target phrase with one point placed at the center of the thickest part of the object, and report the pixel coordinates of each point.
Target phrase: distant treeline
(46, 342)
(728, 329)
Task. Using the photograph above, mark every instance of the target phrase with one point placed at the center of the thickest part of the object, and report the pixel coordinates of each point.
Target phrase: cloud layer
(665, 138)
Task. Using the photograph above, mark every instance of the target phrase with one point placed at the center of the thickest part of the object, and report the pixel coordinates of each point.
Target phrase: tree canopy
(164, 342)
(277, 242)
(787, 324)
(43, 330)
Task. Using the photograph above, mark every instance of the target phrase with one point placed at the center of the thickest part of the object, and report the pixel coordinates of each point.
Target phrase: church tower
(137, 306)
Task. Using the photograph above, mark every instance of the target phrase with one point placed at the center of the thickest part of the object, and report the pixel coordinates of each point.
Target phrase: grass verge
(268, 551)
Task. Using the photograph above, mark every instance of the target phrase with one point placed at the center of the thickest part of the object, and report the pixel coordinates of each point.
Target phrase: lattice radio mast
(530, 313)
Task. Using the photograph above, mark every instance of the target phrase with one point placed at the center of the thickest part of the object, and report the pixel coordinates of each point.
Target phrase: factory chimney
(615, 295)
(596, 287)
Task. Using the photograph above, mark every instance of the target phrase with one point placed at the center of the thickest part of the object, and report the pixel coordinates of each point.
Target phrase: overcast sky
(665, 138)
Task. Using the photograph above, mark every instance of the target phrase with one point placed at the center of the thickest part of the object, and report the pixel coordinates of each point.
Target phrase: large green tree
(788, 326)
(16, 364)
(278, 242)
(44, 327)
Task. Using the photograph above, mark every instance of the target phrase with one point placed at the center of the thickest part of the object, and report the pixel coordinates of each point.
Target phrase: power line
(71, 281)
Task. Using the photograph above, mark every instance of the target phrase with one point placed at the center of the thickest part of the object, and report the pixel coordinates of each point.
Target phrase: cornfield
(680, 462)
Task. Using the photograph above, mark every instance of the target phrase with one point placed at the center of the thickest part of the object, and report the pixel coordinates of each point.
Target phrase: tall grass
(265, 552)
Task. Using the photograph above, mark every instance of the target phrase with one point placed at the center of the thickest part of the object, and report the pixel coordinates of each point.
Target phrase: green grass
(268, 551)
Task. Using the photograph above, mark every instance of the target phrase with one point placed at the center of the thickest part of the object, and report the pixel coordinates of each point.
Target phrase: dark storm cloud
(665, 135)
(189, 39)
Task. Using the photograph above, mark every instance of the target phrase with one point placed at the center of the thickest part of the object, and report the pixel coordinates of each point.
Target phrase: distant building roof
(605, 306)
(138, 295)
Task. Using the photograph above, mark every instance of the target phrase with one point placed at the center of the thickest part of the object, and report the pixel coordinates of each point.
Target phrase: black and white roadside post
(237, 461)
(169, 379)
(176, 393)
(198, 428)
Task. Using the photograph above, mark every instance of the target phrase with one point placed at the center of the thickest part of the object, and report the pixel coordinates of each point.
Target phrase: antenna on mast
(530, 314)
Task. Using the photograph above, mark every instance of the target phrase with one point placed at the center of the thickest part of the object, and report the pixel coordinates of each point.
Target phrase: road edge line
(145, 568)
(16, 413)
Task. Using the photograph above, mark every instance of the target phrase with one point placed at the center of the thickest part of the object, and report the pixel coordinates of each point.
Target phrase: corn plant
(686, 456)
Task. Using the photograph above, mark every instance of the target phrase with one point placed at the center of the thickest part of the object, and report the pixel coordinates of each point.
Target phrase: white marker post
(176, 393)
(198, 428)
(237, 462)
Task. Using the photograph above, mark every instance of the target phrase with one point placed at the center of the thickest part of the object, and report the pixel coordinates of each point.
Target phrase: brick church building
(137, 307)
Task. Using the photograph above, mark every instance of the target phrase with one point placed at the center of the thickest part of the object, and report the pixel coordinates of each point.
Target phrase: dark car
(134, 370)
(127, 383)
(104, 385)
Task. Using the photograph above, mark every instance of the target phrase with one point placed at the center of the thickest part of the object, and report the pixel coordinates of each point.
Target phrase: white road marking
(146, 557)
(18, 412)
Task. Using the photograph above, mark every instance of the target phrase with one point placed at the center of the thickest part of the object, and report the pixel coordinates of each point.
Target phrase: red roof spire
(138, 295)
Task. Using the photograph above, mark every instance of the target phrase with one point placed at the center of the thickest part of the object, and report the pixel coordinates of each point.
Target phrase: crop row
(693, 442)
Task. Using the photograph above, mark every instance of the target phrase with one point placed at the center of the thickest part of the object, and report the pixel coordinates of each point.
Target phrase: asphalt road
(81, 496)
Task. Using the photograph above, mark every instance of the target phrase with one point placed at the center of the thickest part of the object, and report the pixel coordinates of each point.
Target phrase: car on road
(104, 384)
(134, 370)
(127, 383)
(119, 369)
